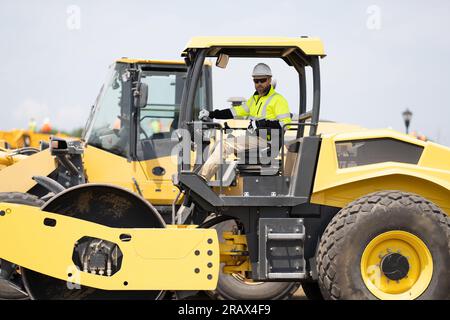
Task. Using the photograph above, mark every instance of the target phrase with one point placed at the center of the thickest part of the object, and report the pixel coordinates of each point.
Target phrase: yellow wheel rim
(413, 281)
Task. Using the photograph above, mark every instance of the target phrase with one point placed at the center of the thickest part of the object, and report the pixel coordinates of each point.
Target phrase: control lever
(228, 130)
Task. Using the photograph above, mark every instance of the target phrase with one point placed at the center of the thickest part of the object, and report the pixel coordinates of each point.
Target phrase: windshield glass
(157, 120)
(160, 115)
(104, 129)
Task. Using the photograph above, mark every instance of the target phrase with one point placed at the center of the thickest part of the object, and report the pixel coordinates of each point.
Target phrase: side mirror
(222, 60)
(143, 95)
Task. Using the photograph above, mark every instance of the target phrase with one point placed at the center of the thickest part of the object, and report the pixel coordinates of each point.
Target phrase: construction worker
(267, 111)
(46, 127)
(32, 125)
(156, 126)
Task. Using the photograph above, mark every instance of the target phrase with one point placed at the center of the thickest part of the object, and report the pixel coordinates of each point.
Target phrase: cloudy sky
(382, 56)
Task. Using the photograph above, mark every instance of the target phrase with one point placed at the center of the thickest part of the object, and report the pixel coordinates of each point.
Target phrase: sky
(382, 56)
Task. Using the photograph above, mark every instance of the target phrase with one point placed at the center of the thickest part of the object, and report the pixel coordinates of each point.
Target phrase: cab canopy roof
(147, 61)
(259, 46)
(156, 62)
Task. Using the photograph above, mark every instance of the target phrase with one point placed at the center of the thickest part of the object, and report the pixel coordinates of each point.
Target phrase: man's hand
(203, 115)
(252, 126)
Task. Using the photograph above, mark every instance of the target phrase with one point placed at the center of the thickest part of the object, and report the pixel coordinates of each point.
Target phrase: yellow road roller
(350, 215)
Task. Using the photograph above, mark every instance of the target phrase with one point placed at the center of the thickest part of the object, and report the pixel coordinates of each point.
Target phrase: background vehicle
(107, 153)
(20, 138)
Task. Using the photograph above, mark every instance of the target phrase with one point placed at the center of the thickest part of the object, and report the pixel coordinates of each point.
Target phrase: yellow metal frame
(105, 167)
(234, 253)
(154, 259)
(146, 61)
(7, 158)
(430, 178)
(420, 262)
(17, 178)
(310, 46)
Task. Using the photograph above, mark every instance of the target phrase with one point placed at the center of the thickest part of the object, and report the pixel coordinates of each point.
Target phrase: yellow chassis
(429, 178)
(154, 259)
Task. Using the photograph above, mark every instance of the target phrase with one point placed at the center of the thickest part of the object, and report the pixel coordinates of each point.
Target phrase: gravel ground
(299, 295)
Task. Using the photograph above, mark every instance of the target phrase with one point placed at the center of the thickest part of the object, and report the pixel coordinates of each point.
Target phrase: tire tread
(331, 239)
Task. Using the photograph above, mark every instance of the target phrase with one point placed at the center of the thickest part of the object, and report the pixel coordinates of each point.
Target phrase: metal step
(281, 243)
(285, 236)
(292, 275)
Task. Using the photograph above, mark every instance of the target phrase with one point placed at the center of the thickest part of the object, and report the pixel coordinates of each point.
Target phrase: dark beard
(265, 91)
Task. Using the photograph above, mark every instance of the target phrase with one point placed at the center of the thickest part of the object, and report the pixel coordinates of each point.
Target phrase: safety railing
(212, 125)
(215, 125)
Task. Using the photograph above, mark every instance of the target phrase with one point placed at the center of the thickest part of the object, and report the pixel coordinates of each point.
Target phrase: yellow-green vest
(272, 106)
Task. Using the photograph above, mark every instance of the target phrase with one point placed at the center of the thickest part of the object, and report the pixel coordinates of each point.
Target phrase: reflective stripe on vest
(251, 103)
(264, 109)
(284, 115)
(245, 107)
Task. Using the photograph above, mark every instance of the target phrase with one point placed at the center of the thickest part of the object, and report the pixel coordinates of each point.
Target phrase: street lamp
(407, 115)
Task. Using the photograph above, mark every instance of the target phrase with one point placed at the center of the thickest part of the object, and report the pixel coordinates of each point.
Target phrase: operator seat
(262, 161)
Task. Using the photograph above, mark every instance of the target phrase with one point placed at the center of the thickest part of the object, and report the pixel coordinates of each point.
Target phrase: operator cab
(141, 130)
(278, 166)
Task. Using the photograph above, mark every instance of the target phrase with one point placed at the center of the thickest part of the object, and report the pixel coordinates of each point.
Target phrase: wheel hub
(395, 266)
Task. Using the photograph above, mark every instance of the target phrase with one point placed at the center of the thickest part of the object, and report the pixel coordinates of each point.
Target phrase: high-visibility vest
(272, 106)
(32, 125)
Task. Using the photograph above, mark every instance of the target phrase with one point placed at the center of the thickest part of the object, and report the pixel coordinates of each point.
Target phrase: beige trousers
(230, 146)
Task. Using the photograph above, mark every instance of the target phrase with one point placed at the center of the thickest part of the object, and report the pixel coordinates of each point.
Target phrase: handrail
(305, 116)
(212, 124)
(219, 126)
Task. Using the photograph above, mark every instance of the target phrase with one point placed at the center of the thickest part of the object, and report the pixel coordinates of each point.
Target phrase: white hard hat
(261, 70)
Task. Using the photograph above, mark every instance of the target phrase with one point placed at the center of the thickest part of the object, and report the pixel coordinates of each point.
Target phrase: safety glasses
(260, 80)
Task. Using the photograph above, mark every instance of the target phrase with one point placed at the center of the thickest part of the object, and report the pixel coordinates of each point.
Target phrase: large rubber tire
(231, 287)
(18, 198)
(351, 230)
